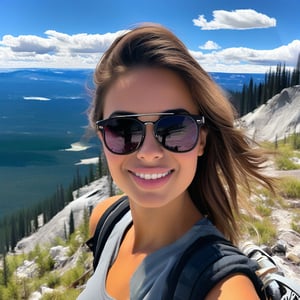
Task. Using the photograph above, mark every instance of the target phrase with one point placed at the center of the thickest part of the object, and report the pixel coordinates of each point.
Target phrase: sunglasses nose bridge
(146, 123)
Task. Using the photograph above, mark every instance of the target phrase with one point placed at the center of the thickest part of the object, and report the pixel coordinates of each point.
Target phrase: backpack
(205, 263)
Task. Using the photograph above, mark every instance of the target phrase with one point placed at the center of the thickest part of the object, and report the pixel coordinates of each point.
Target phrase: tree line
(26, 221)
(253, 95)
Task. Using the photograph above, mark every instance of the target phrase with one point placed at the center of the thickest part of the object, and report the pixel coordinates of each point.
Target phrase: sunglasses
(124, 134)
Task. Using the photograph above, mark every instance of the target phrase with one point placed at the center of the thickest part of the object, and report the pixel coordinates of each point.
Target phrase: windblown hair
(229, 163)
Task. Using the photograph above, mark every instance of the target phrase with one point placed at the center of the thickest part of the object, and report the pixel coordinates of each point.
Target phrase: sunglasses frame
(199, 120)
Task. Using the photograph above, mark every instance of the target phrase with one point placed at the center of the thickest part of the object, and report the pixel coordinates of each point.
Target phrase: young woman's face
(152, 176)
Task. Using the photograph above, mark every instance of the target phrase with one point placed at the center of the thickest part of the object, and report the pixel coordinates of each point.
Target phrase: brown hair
(229, 162)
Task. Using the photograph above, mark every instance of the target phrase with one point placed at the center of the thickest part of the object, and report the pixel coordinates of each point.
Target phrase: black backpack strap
(205, 263)
(105, 226)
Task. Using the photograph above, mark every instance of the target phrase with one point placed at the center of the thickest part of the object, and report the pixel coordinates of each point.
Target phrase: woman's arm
(236, 287)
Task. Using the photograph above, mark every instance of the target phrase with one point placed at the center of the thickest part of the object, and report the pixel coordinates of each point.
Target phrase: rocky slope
(46, 235)
(279, 117)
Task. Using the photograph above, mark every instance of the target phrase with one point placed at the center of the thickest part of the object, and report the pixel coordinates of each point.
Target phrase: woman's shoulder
(99, 210)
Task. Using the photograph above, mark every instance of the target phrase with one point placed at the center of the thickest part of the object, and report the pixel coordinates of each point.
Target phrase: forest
(253, 95)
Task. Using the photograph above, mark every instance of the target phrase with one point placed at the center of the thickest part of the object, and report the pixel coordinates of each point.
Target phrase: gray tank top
(149, 279)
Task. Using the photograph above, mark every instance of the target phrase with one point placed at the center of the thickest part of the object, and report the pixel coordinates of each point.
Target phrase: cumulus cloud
(55, 49)
(83, 42)
(210, 45)
(60, 50)
(241, 59)
(28, 43)
(239, 19)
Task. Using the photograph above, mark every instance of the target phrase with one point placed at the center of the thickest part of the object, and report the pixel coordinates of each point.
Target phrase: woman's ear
(99, 134)
(202, 141)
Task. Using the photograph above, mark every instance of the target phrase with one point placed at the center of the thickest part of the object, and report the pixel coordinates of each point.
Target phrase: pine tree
(71, 223)
(295, 78)
(5, 269)
(91, 173)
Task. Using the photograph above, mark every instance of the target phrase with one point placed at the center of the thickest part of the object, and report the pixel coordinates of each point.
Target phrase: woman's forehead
(147, 90)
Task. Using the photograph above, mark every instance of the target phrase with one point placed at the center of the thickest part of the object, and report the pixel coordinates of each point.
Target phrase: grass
(290, 187)
(285, 151)
(295, 224)
(283, 158)
(62, 295)
(261, 230)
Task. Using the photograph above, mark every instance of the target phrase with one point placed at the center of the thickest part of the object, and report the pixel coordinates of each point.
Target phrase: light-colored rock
(47, 234)
(29, 269)
(279, 117)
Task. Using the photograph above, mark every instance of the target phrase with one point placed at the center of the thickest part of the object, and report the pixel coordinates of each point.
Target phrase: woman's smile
(151, 176)
(151, 180)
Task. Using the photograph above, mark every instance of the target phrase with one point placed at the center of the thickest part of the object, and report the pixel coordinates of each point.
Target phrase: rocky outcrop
(279, 117)
(57, 226)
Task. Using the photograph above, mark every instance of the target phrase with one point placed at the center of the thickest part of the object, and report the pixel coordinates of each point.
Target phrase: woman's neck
(154, 228)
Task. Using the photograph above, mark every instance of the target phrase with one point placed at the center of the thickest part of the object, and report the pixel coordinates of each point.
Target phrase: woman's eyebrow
(124, 112)
(121, 113)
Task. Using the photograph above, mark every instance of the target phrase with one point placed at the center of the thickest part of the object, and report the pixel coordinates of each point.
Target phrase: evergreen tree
(69, 196)
(111, 187)
(86, 180)
(71, 223)
(91, 173)
(5, 269)
(86, 218)
(295, 78)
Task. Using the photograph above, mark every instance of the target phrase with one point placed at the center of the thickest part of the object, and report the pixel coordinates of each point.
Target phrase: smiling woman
(169, 139)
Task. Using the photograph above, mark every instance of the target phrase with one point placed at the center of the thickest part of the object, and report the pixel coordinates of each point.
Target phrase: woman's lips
(154, 179)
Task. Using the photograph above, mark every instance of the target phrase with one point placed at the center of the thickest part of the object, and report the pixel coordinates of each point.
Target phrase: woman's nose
(150, 148)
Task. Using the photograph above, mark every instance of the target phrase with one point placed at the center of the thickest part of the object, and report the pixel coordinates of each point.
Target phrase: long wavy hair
(230, 163)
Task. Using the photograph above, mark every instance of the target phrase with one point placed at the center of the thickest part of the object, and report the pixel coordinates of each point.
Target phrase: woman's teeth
(152, 176)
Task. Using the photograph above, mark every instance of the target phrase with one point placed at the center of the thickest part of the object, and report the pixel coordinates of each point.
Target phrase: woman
(169, 139)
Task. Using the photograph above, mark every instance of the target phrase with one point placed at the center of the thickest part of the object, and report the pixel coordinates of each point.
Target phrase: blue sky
(225, 36)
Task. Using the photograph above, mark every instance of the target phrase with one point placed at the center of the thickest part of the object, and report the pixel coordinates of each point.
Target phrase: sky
(235, 36)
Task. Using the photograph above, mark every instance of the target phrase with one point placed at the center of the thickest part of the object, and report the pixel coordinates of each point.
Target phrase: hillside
(47, 234)
(278, 118)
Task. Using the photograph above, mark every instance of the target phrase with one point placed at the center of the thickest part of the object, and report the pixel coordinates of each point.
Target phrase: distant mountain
(279, 117)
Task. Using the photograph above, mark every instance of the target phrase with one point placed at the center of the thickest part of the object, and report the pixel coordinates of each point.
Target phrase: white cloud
(242, 59)
(239, 19)
(55, 50)
(83, 42)
(28, 43)
(210, 45)
(60, 50)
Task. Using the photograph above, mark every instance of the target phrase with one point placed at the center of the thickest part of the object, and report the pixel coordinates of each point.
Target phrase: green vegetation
(295, 224)
(262, 230)
(260, 227)
(290, 187)
(43, 273)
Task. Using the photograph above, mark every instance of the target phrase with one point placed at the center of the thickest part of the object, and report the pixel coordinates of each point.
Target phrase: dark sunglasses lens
(177, 133)
(123, 136)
